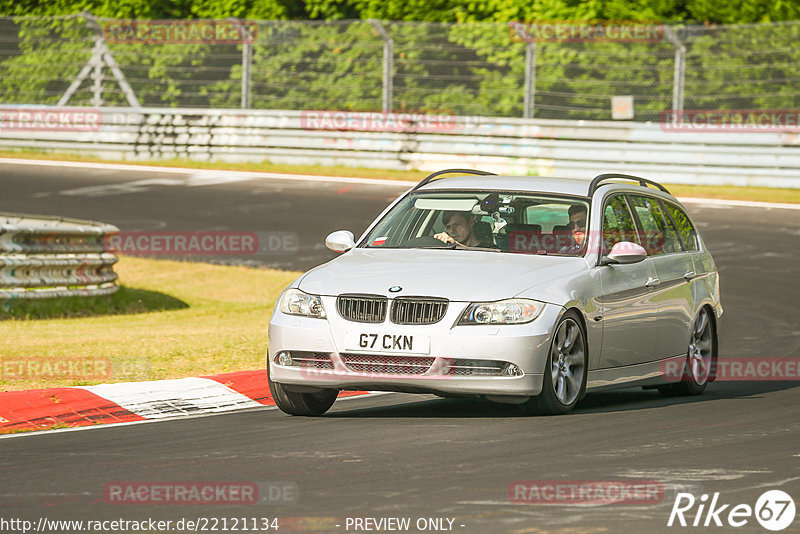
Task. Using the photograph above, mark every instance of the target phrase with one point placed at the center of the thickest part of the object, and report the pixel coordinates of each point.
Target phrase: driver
(459, 228)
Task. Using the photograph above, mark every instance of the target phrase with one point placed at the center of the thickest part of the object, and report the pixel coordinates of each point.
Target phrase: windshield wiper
(459, 246)
(449, 246)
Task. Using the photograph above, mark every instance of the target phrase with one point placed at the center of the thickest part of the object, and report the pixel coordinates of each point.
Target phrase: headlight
(295, 302)
(511, 311)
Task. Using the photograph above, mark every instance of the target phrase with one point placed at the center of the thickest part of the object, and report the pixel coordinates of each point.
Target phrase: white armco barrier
(582, 149)
(42, 257)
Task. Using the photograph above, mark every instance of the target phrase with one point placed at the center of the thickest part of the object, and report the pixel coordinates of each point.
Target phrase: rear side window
(659, 236)
(617, 223)
(685, 228)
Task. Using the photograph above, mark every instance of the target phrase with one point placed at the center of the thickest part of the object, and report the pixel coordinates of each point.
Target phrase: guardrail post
(247, 58)
(530, 80)
(247, 64)
(388, 65)
(679, 75)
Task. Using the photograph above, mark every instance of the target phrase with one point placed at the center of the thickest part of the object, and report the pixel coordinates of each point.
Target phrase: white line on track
(770, 485)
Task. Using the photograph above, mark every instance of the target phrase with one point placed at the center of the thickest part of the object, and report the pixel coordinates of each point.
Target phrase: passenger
(577, 228)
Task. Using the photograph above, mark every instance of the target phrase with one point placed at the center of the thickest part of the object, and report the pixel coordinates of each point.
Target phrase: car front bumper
(525, 346)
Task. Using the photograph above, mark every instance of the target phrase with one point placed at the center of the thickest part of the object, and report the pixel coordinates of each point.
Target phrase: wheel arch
(715, 351)
(581, 317)
(592, 331)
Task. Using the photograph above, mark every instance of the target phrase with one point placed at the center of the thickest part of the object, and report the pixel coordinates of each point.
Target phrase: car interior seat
(483, 232)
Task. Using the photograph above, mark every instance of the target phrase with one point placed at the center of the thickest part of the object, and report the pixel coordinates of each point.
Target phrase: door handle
(688, 275)
(652, 282)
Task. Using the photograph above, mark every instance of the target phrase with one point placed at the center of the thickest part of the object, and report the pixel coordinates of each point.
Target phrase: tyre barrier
(50, 257)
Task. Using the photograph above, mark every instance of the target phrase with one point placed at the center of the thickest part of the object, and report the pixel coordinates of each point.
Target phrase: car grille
(474, 367)
(387, 365)
(312, 360)
(362, 308)
(418, 311)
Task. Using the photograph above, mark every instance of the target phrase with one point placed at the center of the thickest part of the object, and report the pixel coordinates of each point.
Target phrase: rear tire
(700, 356)
(564, 382)
(307, 404)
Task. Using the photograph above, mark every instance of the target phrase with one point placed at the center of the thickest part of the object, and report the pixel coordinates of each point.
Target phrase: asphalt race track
(397, 455)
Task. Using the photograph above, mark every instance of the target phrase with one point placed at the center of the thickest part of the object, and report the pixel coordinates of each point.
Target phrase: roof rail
(614, 176)
(428, 179)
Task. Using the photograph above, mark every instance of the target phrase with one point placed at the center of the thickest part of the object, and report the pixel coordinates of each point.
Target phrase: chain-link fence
(465, 69)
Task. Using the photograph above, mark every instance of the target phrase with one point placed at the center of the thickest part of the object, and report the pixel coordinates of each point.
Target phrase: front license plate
(382, 342)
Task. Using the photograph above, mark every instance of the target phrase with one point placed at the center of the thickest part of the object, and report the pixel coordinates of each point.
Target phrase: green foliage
(27, 74)
(744, 67)
(744, 11)
(150, 9)
(470, 67)
(300, 65)
(184, 75)
(704, 11)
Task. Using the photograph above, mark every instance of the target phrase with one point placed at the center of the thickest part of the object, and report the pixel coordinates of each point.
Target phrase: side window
(672, 243)
(659, 236)
(685, 228)
(617, 223)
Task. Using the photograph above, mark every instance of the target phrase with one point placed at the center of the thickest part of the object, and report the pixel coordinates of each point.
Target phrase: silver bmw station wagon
(516, 289)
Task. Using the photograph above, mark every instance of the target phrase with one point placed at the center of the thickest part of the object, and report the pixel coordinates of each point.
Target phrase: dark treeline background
(669, 11)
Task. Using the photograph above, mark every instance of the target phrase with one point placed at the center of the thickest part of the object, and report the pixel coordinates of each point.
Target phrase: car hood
(457, 275)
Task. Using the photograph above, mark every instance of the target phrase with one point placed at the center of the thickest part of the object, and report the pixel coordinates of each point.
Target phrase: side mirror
(340, 241)
(624, 252)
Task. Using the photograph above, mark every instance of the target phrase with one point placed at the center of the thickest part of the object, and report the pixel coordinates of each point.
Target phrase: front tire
(294, 403)
(564, 381)
(700, 356)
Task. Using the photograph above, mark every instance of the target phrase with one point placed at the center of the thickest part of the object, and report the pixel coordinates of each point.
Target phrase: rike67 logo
(774, 510)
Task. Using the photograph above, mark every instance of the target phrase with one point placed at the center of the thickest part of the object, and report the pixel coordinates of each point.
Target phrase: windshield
(525, 223)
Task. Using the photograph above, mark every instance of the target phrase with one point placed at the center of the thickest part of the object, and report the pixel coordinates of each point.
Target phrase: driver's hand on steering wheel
(444, 236)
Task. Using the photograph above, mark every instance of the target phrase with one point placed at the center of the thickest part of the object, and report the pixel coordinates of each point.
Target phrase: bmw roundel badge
(395, 289)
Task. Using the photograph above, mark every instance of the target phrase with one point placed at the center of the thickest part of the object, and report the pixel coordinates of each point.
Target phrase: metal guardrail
(43, 257)
(579, 149)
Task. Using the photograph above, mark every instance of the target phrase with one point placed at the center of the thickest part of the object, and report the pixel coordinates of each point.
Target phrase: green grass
(762, 194)
(169, 320)
(729, 192)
